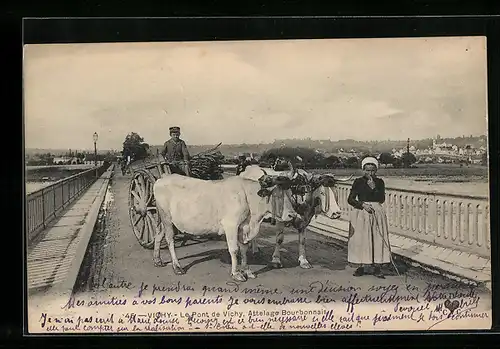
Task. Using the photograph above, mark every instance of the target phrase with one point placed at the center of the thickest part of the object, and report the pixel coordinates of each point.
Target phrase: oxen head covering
(369, 160)
(175, 129)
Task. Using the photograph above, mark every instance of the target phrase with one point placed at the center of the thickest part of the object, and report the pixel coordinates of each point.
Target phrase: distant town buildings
(66, 160)
(444, 152)
(438, 152)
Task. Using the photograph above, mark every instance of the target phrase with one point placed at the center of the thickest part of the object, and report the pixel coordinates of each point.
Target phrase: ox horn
(265, 173)
(275, 163)
(343, 179)
(292, 169)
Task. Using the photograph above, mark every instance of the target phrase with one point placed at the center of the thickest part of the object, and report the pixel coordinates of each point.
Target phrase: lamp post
(95, 137)
(407, 164)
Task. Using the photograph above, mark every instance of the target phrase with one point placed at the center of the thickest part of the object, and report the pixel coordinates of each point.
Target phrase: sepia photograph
(328, 185)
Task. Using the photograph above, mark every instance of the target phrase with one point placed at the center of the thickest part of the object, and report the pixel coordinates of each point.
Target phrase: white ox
(234, 206)
(319, 197)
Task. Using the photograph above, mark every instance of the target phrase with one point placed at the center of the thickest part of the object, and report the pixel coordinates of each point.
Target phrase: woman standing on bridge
(368, 245)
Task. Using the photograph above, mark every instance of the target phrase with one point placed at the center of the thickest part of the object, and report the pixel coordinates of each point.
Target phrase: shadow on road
(333, 260)
(321, 253)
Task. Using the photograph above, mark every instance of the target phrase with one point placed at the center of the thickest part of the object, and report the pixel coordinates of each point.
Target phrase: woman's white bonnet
(369, 160)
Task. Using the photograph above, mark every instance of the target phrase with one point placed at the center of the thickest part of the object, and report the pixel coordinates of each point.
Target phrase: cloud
(254, 91)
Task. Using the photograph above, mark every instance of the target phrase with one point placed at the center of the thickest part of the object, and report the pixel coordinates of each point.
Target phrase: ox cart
(143, 213)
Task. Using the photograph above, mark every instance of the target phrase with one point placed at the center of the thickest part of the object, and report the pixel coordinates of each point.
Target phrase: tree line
(135, 147)
(309, 158)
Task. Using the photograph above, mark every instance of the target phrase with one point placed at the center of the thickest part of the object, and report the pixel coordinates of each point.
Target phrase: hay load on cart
(207, 165)
(143, 214)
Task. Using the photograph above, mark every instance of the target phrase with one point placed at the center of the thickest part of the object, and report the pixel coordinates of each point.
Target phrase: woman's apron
(368, 236)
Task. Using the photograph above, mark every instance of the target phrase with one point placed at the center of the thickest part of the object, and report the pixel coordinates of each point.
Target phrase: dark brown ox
(309, 195)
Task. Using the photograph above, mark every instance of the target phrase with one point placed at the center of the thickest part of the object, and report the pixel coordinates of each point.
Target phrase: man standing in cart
(176, 153)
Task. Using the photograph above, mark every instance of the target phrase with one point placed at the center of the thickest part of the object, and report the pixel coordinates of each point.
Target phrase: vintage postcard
(257, 186)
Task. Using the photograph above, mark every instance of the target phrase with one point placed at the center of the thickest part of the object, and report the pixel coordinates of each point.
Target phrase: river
(34, 186)
(38, 177)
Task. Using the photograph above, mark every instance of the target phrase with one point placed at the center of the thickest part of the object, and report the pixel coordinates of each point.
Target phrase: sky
(254, 91)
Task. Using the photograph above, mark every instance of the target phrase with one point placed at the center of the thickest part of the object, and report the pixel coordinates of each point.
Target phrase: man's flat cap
(175, 129)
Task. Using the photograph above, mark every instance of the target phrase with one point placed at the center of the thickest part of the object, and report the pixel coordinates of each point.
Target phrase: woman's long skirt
(368, 237)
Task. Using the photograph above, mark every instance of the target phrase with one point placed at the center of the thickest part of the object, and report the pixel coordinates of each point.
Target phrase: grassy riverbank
(445, 178)
(436, 172)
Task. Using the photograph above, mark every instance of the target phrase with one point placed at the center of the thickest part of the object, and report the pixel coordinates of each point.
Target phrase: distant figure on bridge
(125, 163)
(242, 164)
(176, 153)
(368, 246)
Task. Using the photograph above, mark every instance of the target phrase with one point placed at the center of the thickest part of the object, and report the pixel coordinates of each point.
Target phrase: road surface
(115, 256)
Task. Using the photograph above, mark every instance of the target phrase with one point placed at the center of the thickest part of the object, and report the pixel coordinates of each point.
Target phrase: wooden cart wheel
(142, 209)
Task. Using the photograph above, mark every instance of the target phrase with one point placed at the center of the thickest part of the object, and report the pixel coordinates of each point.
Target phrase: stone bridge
(445, 233)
